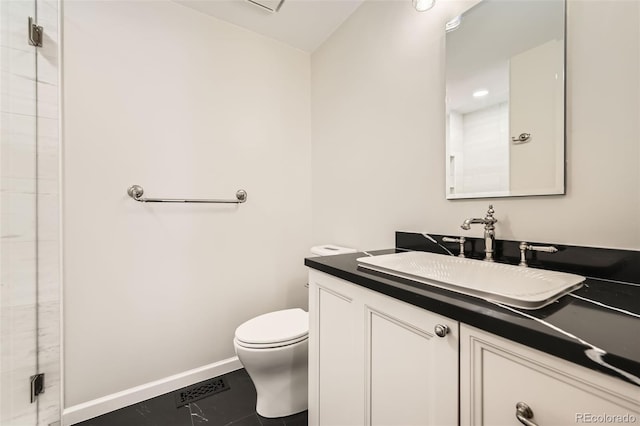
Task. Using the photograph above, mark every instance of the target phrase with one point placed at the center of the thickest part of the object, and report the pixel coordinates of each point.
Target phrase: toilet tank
(331, 249)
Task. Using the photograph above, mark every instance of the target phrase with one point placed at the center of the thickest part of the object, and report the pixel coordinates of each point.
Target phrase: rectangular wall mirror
(505, 100)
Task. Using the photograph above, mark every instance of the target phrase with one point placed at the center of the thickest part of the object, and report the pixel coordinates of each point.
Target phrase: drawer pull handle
(524, 414)
(441, 330)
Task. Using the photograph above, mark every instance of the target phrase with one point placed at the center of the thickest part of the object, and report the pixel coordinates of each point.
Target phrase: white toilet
(273, 348)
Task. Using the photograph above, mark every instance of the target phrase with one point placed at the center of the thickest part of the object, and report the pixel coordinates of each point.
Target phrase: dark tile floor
(236, 406)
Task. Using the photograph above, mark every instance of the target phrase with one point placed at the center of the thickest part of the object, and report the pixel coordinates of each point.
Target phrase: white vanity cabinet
(496, 374)
(374, 360)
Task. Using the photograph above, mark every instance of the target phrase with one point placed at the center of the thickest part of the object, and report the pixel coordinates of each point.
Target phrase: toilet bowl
(273, 348)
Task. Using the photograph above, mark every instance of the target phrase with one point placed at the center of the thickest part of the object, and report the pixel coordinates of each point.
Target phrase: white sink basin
(525, 288)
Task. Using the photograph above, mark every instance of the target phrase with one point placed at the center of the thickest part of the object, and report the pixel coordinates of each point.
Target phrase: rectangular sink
(526, 288)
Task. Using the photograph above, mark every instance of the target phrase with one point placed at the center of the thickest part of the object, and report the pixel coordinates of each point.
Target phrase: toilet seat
(269, 345)
(274, 329)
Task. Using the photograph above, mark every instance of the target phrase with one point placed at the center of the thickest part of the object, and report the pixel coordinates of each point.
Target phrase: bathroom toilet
(273, 348)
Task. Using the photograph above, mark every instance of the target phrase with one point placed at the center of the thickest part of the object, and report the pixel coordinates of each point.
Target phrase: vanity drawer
(496, 374)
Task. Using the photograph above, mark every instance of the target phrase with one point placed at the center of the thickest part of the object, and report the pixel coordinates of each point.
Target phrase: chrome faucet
(489, 232)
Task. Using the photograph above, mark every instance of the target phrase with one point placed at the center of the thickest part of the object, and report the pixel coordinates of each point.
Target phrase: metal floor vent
(200, 390)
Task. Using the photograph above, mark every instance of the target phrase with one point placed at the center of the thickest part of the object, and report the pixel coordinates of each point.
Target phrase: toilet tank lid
(330, 249)
(275, 327)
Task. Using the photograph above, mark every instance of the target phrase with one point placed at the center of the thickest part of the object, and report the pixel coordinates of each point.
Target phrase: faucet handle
(460, 241)
(524, 246)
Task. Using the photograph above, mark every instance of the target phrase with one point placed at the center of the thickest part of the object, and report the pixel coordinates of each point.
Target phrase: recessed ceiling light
(480, 93)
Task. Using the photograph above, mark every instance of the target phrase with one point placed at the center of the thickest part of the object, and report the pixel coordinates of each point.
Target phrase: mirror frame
(561, 155)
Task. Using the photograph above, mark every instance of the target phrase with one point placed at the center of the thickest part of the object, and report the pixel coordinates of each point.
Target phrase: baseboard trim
(97, 407)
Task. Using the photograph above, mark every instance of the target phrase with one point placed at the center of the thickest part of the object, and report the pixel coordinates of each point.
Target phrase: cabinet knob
(524, 414)
(441, 330)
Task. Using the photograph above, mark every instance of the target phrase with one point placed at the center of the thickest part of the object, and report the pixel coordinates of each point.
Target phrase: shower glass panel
(18, 209)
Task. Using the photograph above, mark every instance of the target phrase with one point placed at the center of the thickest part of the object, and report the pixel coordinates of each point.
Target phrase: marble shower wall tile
(48, 272)
(29, 198)
(18, 248)
(48, 151)
(49, 361)
(18, 146)
(18, 340)
(18, 91)
(18, 220)
(16, 407)
(18, 273)
(13, 25)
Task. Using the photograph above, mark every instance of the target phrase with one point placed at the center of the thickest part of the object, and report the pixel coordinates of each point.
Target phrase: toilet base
(280, 416)
(280, 376)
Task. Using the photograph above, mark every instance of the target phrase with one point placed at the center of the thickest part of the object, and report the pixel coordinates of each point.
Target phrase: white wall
(535, 77)
(378, 130)
(185, 105)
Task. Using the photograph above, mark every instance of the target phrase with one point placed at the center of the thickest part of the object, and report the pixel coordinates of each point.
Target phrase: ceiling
(303, 24)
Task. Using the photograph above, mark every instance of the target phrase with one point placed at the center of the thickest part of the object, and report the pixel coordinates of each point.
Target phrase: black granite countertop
(596, 326)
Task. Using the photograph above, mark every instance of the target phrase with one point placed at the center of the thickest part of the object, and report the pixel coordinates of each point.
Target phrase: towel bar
(136, 192)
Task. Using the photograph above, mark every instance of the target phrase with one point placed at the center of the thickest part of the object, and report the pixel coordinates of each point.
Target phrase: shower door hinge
(35, 33)
(37, 386)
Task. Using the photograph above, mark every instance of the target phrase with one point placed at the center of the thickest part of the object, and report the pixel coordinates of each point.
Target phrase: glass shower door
(18, 210)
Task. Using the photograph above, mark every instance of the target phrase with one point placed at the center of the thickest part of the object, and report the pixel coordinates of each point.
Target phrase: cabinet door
(376, 361)
(412, 374)
(496, 374)
(336, 375)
